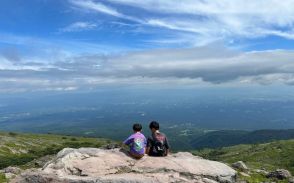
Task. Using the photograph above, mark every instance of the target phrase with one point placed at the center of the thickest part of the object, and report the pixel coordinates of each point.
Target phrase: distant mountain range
(225, 138)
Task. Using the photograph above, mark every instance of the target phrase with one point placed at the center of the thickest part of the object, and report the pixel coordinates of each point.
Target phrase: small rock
(111, 146)
(261, 171)
(9, 175)
(291, 180)
(279, 174)
(244, 174)
(13, 170)
(240, 165)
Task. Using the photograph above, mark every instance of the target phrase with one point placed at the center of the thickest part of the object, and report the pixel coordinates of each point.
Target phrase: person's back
(157, 144)
(136, 142)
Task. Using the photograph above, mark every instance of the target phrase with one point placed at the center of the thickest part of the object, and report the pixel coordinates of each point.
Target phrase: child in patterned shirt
(137, 142)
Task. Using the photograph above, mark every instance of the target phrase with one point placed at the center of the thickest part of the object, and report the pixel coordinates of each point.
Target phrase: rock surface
(262, 172)
(279, 174)
(11, 172)
(91, 165)
(240, 165)
(11, 169)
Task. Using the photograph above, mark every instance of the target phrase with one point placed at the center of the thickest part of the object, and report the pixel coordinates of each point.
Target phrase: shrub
(73, 139)
(14, 160)
(12, 134)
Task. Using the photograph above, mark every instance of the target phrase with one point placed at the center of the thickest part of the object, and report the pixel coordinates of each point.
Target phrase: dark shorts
(136, 156)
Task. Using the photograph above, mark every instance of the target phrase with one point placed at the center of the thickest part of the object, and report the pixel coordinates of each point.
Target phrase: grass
(270, 156)
(257, 178)
(18, 149)
(2, 178)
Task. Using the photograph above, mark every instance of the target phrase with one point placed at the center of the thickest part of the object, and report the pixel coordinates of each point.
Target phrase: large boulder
(279, 174)
(91, 165)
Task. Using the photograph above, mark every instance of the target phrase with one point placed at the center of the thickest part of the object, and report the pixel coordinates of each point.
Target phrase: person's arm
(145, 146)
(147, 150)
(128, 141)
(148, 146)
(166, 144)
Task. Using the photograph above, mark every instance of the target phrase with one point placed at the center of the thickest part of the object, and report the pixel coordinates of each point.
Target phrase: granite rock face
(91, 165)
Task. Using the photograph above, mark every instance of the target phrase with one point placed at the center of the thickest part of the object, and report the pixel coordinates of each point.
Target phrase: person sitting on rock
(136, 142)
(157, 144)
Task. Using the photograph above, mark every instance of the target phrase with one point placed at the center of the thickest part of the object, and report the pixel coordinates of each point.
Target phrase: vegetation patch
(18, 149)
(2, 178)
(268, 156)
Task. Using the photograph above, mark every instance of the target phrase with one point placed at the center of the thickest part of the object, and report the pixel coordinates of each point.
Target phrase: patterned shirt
(137, 143)
(157, 136)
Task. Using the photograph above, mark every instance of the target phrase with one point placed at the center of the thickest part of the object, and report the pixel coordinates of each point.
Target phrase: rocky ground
(91, 165)
(261, 163)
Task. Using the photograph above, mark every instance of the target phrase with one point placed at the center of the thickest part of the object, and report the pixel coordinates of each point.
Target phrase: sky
(69, 45)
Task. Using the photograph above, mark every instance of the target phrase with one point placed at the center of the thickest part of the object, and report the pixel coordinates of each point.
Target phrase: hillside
(268, 156)
(223, 138)
(34, 150)
(24, 150)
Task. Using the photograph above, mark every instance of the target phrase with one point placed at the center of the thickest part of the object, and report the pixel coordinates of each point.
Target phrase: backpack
(159, 144)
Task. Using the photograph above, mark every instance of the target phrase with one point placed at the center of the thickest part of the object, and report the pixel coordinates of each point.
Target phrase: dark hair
(154, 125)
(137, 127)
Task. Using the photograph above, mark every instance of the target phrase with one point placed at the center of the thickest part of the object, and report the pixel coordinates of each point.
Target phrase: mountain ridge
(223, 138)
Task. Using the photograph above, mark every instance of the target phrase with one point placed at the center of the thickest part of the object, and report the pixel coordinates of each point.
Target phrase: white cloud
(79, 26)
(101, 8)
(224, 19)
(208, 65)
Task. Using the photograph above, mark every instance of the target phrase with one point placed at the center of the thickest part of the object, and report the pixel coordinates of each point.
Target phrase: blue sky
(74, 44)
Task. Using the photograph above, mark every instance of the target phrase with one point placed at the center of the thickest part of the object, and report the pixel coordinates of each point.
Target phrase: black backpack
(159, 145)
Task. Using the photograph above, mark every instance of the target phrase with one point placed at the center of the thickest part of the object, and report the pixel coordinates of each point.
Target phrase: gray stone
(240, 165)
(244, 174)
(9, 175)
(279, 174)
(261, 171)
(13, 170)
(91, 165)
(291, 180)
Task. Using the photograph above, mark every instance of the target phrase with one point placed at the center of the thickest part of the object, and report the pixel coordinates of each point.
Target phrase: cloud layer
(207, 65)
